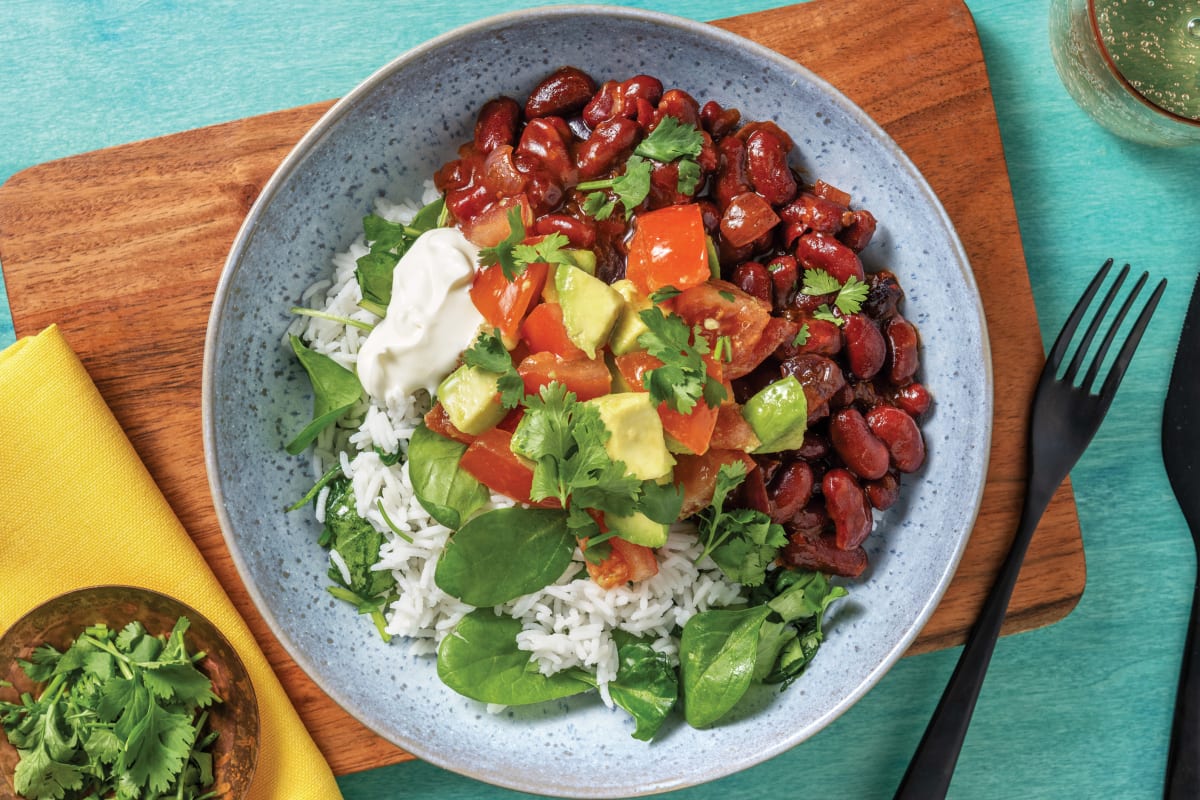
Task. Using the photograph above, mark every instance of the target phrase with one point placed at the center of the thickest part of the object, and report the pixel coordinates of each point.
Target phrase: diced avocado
(624, 337)
(590, 307)
(470, 397)
(584, 259)
(779, 415)
(638, 528)
(636, 434)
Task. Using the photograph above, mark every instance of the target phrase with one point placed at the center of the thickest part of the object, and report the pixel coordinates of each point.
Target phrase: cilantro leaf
(550, 250)
(742, 542)
(631, 189)
(683, 378)
(824, 312)
(851, 296)
(801, 337)
(663, 294)
(488, 353)
(504, 252)
(818, 282)
(670, 139)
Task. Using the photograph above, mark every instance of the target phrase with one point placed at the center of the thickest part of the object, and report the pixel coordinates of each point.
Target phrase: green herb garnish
(849, 296)
(683, 379)
(122, 712)
(389, 241)
(488, 353)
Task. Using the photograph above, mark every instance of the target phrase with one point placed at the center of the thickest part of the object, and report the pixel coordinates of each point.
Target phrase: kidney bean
(866, 349)
(708, 158)
(746, 219)
(581, 233)
(821, 379)
(543, 192)
(861, 451)
(902, 343)
(785, 274)
(611, 140)
(858, 234)
(469, 201)
(719, 121)
(646, 87)
(752, 127)
(899, 432)
(564, 92)
(680, 105)
(754, 279)
(496, 124)
(731, 179)
(818, 251)
(711, 216)
(767, 167)
(813, 519)
(814, 213)
(847, 507)
(884, 295)
(823, 338)
(821, 554)
(865, 393)
(884, 492)
(802, 304)
(913, 398)
(545, 142)
(606, 103)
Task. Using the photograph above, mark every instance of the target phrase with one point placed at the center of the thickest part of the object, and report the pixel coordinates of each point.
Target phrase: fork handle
(1183, 759)
(932, 766)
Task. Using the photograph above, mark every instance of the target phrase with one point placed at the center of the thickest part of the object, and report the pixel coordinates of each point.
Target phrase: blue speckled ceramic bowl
(385, 138)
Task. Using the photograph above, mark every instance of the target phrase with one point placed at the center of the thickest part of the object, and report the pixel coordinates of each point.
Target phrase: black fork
(1064, 418)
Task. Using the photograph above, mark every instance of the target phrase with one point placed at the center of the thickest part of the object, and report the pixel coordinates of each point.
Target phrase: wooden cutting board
(123, 248)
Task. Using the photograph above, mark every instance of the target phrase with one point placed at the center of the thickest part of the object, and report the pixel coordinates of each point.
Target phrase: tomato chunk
(505, 303)
(668, 248)
(543, 330)
(628, 562)
(586, 378)
(723, 310)
(491, 461)
(694, 429)
(697, 476)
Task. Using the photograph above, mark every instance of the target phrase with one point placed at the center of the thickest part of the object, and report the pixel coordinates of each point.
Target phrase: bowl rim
(348, 102)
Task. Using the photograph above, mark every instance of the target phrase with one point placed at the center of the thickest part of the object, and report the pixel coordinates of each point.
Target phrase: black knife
(1181, 456)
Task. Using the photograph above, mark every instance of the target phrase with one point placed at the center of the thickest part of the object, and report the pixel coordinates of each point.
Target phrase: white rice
(568, 624)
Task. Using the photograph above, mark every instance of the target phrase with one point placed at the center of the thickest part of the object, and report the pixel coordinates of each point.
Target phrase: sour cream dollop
(430, 319)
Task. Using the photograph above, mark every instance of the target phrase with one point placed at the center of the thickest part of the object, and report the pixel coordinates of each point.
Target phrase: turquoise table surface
(1079, 709)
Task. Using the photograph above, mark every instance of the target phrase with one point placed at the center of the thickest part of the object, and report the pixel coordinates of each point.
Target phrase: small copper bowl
(60, 620)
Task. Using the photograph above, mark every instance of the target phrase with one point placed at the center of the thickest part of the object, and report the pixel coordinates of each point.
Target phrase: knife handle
(1183, 759)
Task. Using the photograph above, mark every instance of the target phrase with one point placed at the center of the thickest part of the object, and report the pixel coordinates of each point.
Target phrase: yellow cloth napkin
(78, 508)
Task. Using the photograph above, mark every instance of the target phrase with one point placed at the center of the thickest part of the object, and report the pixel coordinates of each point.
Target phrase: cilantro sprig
(671, 140)
(121, 711)
(683, 379)
(514, 255)
(743, 542)
(489, 353)
(848, 296)
(566, 441)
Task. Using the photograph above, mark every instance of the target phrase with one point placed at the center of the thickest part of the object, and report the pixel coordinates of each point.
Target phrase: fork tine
(1109, 389)
(1068, 330)
(1112, 331)
(1097, 319)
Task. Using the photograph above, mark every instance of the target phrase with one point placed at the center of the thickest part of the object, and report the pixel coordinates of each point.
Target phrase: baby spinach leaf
(646, 684)
(480, 660)
(772, 638)
(449, 493)
(803, 595)
(505, 553)
(335, 390)
(389, 241)
(717, 656)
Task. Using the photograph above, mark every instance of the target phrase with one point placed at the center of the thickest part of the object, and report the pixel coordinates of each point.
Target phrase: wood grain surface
(123, 248)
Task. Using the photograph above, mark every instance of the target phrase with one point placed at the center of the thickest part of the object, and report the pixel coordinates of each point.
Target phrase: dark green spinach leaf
(449, 493)
(717, 656)
(480, 660)
(335, 390)
(505, 553)
(646, 684)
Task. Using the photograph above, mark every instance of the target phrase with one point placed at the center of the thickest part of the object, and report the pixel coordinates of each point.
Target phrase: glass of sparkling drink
(1134, 65)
